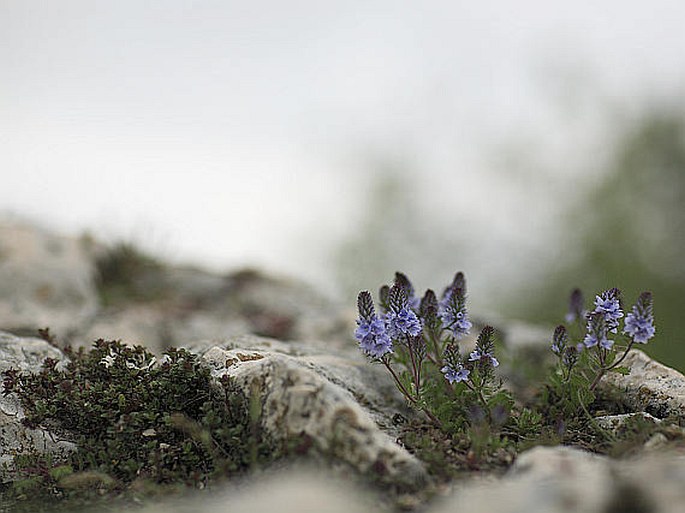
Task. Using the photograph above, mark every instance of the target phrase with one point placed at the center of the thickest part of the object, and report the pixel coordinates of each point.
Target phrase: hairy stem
(399, 384)
(623, 357)
(604, 370)
(409, 397)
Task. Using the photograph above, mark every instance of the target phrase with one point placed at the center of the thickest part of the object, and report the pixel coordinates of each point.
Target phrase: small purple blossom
(608, 303)
(402, 323)
(559, 340)
(477, 355)
(576, 308)
(412, 300)
(570, 356)
(455, 374)
(639, 323)
(371, 333)
(597, 331)
(452, 308)
(428, 311)
(457, 322)
(372, 337)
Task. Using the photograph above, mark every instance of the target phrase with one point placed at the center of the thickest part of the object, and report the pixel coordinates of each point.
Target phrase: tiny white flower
(108, 360)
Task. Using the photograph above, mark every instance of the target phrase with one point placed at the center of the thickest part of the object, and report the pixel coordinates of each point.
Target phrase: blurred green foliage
(627, 232)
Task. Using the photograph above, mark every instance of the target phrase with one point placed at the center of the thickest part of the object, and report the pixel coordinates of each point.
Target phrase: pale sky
(231, 133)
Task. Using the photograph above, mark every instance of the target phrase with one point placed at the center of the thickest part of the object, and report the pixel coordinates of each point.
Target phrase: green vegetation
(472, 420)
(126, 274)
(138, 423)
(628, 230)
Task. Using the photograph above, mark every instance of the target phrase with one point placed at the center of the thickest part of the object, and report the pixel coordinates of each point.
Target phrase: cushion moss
(135, 419)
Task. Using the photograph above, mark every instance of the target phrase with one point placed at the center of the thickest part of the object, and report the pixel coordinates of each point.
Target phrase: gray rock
(543, 480)
(45, 281)
(280, 308)
(27, 355)
(287, 491)
(656, 442)
(616, 422)
(204, 306)
(320, 398)
(158, 327)
(563, 479)
(650, 386)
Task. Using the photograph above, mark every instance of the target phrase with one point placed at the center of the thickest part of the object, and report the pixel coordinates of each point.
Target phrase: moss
(138, 424)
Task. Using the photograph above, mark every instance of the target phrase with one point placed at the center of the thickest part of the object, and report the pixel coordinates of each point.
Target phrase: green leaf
(622, 370)
(61, 472)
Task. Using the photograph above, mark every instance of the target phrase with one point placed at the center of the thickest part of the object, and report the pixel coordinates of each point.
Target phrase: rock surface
(314, 387)
(544, 479)
(317, 400)
(298, 491)
(25, 354)
(650, 386)
(566, 480)
(45, 280)
(200, 307)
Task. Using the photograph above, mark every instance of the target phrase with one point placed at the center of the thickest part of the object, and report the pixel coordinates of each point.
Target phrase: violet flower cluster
(416, 333)
(371, 329)
(404, 316)
(639, 325)
(609, 345)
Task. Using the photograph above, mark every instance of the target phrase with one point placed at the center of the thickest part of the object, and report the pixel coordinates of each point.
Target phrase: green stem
(415, 372)
(625, 353)
(481, 397)
(409, 397)
(604, 370)
(399, 384)
(593, 421)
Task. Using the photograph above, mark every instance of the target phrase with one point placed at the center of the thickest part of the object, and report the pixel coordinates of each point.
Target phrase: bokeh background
(536, 145)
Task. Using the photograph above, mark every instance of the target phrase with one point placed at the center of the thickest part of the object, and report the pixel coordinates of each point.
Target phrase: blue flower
(477, 355)
(373, 338)
(640, 321)
(597, 331)
(559, 340)
(455, 374)
(608, 303)
(401, 323)
(457, 322)
(452, 308)
(412, 300)
(371, 334)
(575, 306)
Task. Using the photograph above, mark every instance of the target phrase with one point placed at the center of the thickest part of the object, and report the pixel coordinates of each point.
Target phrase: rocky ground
(293, 348)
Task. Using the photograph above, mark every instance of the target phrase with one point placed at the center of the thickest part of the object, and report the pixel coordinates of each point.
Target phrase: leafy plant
(417, 342)
(593, 345)
(135, 417)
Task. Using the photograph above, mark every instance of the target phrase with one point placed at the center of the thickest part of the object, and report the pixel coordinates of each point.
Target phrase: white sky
(228, 133)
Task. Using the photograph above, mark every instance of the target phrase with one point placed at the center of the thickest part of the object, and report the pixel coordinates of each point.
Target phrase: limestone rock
(159, 326)
(616, 422)
(543, 480)
(319, 399)
(205, 306)
(567, 480)
(27, 355)
(651, 386)
(45, 281)
(287, 491)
